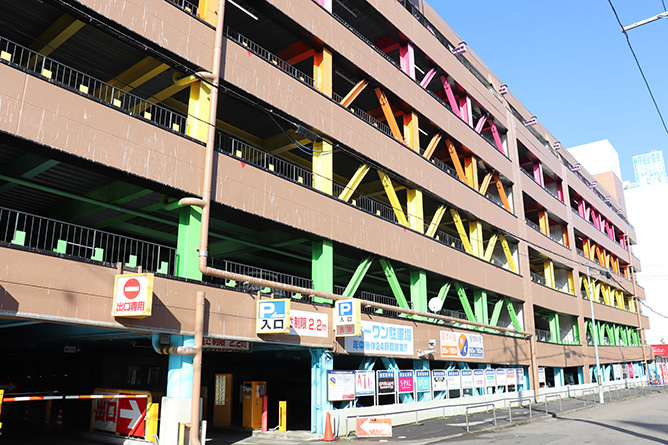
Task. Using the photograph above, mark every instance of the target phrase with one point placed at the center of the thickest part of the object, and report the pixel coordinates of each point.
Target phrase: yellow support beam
(485, 183)
(507, 252)
(56, 34)
(431, 148)
(571, 284)
(583, 281)
(354, 92)
(138, 74)
(389, 115)
(476, 238)
(198, 110)
(436, 221)
(354, 182)
(455, 160)
(461, 231)
(502, 192)
(548, 268)
(322, 71)
(490, 247)
(392, 196)
(163, 95)
(415, 210)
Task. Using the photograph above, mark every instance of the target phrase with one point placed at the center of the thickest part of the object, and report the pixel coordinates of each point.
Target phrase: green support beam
(496, 313)
(187, 245)
(322, 268)
(480, 306)
(555, 331)
(358, 276)
(513, 316)
(465, 301)
(27, 166)
(419, 291)
(394, 283)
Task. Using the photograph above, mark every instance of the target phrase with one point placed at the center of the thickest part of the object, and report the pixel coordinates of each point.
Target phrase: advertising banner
(381, 338)
(340, 385)
(454, 379)
(479, 378)
(405, 382)
(467, 379)
(490, 378)
(511, 377)
(541, 375)
(461, 344)
(500, 377)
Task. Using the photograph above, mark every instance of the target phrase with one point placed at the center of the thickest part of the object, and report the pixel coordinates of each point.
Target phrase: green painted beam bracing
(513, 315)
(576, 330)
(27, 166)
(117, 192)
(156, 234)
(419, 290)
(465, 301)
(358, 276)
(443, 292)
(112, 222)
(394, 283)
(555, 335)
(496, 313)
(322, 268)
(480, 306)
(187, 245)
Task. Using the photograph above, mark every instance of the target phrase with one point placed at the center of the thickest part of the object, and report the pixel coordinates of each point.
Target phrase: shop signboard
(541, 375)
(423, 381)
(340, 385)
(467, 379)
(454, 379)
(405, 381)
(438, 380)
(511, 377)
(386, 382)
(520, 376)
(365, 383)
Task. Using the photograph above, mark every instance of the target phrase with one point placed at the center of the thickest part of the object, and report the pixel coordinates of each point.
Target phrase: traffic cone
(329, 437)
(59, 420)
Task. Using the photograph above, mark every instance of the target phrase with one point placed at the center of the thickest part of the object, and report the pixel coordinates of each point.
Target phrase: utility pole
(643, 22)
(599, 375)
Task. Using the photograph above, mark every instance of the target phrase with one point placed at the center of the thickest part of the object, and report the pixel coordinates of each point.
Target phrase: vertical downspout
(635, 291)
(197, 371)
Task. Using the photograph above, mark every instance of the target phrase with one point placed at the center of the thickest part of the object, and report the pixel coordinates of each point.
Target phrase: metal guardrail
(186, 5)
(48, 69)
(519, 401)
(538, 279)
(479, 405)
(543, 335)
(49, 235)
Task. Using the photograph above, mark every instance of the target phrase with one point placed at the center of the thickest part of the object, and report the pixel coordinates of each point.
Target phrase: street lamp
(599, 377)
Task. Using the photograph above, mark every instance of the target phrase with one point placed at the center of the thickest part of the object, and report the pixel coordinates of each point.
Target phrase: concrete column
(321, 362)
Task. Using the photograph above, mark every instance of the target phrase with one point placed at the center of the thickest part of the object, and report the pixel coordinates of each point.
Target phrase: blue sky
(570, 65)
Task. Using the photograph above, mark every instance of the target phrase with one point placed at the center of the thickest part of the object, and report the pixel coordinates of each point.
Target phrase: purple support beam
(407, 59)
(450, 95)
(497, 137)
(538, 173)
(427, 78)
(481, 123)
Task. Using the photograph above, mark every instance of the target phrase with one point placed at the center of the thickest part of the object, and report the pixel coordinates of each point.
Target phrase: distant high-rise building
(649, 168)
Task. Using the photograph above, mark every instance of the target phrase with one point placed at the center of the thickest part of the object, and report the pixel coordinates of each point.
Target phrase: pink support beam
(450, 95)
(581, 208)
(587, 212)
(481, 123)
(496, 136)
(538, 173)
(622, 241)
(560, 191)
(465, 110)
(327, 4)
(427, 78)
(596, 220)
(407, 59)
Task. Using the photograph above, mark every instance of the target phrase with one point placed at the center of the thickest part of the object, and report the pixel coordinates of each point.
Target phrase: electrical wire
(649, 89)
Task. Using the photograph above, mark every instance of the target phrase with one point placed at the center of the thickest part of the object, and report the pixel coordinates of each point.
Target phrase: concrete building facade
(353, 149)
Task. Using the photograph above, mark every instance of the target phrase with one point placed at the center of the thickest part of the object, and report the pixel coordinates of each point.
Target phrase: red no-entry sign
(131, 288)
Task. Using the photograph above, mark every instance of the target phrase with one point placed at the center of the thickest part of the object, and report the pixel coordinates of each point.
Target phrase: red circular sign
(131, 288)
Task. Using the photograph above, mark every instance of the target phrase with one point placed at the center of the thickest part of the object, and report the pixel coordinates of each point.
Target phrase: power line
(649, 89)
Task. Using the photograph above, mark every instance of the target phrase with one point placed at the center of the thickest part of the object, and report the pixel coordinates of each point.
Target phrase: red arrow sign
(131, 415)
(131, 288)
(374, 427)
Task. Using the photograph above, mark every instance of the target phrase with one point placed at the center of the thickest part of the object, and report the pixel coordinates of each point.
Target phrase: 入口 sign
(273, 316)
(133, 295)
(347, 316)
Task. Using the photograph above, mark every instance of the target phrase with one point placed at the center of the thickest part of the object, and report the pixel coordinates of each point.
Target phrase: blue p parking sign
(347, 318)
(273, 316)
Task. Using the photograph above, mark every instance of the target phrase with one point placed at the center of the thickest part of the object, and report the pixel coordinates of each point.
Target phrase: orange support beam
(429, 152)
(565, 235)
(352, 94)
(412, 131)
(389, 115)
(471, 170)
(502, 192)
(295, 53)
(544, 222)
(322, 71)
(455, 160)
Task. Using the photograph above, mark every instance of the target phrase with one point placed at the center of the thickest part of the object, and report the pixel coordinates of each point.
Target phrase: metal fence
(186, 5)
(62, 75)
(49, 235)
(536, 278)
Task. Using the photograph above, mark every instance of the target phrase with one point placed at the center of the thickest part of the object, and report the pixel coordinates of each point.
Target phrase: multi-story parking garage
(355, 148)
